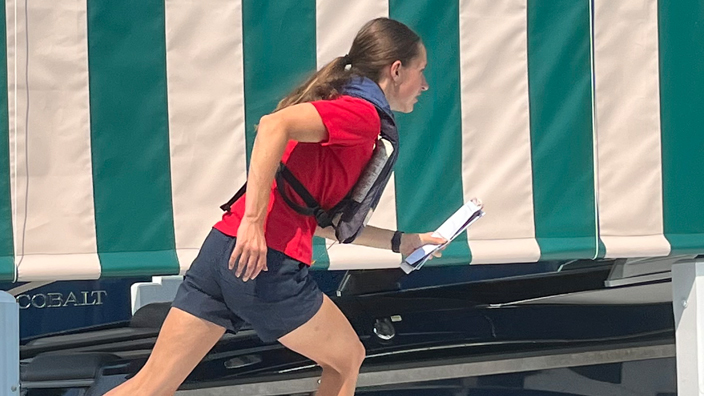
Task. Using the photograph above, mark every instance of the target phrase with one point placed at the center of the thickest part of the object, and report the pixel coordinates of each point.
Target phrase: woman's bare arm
(300, 123)
(381, 238)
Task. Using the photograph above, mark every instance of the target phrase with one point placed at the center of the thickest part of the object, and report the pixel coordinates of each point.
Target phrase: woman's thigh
(183, 341)
(327, 338)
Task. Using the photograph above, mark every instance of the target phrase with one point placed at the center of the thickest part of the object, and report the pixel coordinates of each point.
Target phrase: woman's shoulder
(354, 101)
(353, 111)
(348, 103)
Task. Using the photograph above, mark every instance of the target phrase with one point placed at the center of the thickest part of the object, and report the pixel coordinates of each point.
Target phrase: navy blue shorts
(277, 302)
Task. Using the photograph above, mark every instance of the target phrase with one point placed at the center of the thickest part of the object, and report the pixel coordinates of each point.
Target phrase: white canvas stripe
(45, 267)
(628, 128)
(496, 146)
(58, 209)
(504, 250)
(185, 258)
(361, 257)
(206, 114)
(337, 22)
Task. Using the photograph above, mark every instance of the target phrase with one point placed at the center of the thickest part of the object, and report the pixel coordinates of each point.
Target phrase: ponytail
(326, 83)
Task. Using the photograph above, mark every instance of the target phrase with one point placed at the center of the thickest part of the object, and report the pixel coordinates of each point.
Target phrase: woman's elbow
(272, 125)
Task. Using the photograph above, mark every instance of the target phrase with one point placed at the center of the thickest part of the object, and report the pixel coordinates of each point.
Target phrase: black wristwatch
(396, 242)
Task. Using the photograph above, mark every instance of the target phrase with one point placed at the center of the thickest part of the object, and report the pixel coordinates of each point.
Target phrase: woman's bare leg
(183, 341)
(329, 340)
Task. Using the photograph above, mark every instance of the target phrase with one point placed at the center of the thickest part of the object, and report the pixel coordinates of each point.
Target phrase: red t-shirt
(328, 170)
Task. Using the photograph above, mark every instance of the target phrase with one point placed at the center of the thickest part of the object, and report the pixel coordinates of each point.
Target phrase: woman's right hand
(249, 255)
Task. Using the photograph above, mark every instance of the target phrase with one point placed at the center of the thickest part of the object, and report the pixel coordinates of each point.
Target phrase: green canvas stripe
(279, 53)
(321, 261)
(144, 263)
(7, 261)
(692, 243)
(7, 268)
(130, 137)
(681, 46)
(431, 136)
(559, 79)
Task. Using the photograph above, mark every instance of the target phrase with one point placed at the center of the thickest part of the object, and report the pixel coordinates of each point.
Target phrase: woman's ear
(396, 70)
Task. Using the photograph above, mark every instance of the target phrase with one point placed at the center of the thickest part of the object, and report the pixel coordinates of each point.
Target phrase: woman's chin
(405, 109)
(408, 108)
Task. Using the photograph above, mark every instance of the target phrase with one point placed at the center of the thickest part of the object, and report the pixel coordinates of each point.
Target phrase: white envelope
(450, 229)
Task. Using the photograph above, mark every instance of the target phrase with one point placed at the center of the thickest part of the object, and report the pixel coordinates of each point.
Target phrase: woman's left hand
(411, 242)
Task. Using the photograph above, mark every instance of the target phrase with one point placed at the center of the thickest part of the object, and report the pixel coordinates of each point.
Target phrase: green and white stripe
(130, 137)
(577, 122)
(496, 141)
(561, 128)
(7, 265)
(53, 213)
(206, 114)
(681, 52)
(628, 115)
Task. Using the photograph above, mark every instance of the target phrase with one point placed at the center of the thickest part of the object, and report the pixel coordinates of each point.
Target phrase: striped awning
(126, 123)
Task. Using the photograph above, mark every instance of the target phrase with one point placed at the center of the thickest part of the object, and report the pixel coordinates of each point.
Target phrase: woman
(261, 277)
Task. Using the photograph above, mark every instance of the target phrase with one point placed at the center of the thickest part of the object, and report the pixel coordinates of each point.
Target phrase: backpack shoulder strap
(312, 208)
(283, 176)
(227, 205)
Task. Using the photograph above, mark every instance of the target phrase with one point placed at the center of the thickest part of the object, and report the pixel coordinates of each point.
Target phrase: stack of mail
(449, 230)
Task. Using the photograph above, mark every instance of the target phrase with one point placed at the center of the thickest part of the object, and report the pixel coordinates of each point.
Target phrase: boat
(414, 334)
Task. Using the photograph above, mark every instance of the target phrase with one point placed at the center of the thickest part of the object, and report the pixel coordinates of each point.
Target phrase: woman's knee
(357, 354)
(349, 360)
(361, 353)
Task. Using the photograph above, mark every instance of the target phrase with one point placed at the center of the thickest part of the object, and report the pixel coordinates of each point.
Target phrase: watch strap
(396, 242)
